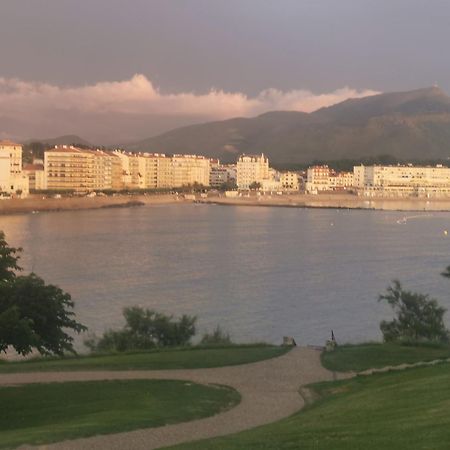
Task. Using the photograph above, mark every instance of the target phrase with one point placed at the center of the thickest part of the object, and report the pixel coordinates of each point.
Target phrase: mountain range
(67, 139)
(413, 125)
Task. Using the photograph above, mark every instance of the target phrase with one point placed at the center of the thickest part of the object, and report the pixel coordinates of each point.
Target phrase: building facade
(251, 169)
(289, 181)
(12, 179)
(36, 176)
(68, 168)
(402, 181)
(323, 178)
(188, 170)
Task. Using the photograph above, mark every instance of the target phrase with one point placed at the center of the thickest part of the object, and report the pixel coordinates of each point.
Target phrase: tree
(33, 315)
(9, 257)
(255, 186)
(145, 329)
(418, 317)
(228, 186)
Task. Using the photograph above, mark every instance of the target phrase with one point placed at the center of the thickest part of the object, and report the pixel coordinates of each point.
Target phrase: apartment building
(221, 174)
(188, 170)
(323, 178)
(74, 169)
(218, 175)
(402, 181)
(289, 181)
(251, 169)
(12, 178)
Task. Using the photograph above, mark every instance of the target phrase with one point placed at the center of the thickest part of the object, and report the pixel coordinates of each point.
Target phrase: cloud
(22, 101)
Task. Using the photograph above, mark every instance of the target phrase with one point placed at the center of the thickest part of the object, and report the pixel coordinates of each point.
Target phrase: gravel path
(269, 390)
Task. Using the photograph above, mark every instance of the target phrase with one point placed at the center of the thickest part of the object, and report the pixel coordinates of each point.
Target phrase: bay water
(258, 272)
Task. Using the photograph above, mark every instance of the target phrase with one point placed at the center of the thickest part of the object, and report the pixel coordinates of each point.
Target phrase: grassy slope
(42, 413)
(366, 356)
(404, 410)
(167, 359)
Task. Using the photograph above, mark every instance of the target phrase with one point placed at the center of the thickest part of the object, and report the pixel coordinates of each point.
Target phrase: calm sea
(260, 273)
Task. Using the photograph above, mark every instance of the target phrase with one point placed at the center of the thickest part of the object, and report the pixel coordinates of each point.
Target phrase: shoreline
(335, 201)
(37, 204)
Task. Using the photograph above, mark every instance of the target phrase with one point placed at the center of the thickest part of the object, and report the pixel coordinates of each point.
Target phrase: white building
(322, 178)
(252, 169)
(12, 178)
(402, 181)
(289, 181)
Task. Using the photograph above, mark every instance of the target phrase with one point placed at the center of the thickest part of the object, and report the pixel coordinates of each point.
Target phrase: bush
(418, 317)
(217, 337)
(145, 329)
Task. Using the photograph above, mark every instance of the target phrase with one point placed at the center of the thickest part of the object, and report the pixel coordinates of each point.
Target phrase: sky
(113, 71)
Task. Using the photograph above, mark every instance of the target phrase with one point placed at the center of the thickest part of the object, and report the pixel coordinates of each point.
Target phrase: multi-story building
(188, 170)
(323, 178)
(232, 173)
(165, 174)
(318, 178)
(289, 181)
(252, 169)
(36, 176)
(221, 174)
(12, 178)
(75, 169)
(341, 181)
(402, 181)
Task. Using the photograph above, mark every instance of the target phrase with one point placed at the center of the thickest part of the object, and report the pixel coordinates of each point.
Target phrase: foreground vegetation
(402, 410)
(33, 315)
(366, 356)
(35, 413)
(188, 358)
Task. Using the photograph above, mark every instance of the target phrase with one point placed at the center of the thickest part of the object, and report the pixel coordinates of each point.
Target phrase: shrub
(217, 337)
(145, 329)
(419, 318)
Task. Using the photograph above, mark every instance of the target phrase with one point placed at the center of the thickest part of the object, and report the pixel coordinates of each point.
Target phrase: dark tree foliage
(145, 329)
(255, 186)
(419, 318)
(9, 257)
(228, 186)
(33, 315)
(446, 274)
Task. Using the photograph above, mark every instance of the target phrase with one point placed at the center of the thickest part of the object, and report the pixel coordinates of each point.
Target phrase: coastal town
(67, 169)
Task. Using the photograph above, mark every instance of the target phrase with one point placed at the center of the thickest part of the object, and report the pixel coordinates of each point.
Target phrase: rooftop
(10, 143)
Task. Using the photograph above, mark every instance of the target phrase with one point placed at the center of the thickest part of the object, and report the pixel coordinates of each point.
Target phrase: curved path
(269, 390)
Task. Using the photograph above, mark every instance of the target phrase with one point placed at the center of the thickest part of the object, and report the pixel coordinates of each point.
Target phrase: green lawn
(190, 358)
(365, 356)
(404, 410)
(43, 413)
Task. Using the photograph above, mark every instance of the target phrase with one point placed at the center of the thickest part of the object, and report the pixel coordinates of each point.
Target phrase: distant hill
(413, 125)
(68, 139)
